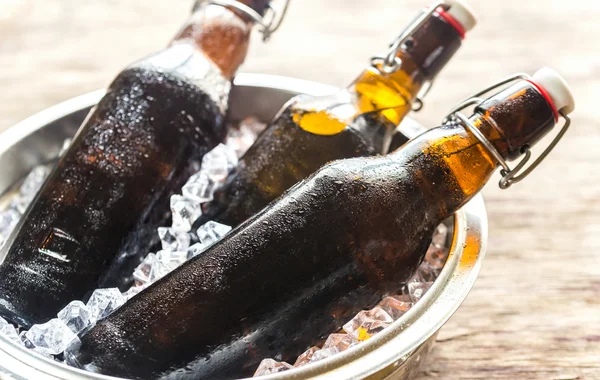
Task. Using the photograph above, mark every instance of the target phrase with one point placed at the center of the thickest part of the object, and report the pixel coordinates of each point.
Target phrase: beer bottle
(331, 246)
(99, 209)
(357, 121)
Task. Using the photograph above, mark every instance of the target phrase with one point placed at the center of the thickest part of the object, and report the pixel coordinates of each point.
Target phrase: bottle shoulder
(371, 107)
(183, 63)
(144, 89)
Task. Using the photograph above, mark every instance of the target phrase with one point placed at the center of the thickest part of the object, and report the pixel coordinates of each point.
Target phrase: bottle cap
(462, 13)
(556, 89)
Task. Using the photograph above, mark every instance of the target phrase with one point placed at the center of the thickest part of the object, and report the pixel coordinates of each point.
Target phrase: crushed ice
(76, 316)
(21, 200)
(52, 337)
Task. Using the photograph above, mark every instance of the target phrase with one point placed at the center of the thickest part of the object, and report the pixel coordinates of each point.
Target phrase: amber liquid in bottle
(311, 131)
(331, 246)
(99, 209)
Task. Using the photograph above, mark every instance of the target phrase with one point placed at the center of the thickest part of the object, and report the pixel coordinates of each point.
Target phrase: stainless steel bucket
(395, 353)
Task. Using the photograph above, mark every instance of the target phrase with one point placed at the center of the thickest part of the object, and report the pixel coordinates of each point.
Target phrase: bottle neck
(511, 120)
(381, 97)
(454, 165)
(434, 43)
(220, 33)
(424, 55)
(517, 117)
(389, 94)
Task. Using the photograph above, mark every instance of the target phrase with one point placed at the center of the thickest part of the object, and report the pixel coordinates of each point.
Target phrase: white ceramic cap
(462, 13)
(556, 86)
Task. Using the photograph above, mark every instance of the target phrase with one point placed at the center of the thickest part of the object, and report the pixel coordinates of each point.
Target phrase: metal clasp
(390, 62)
(418, 103)
(269, 23)
(509, 176)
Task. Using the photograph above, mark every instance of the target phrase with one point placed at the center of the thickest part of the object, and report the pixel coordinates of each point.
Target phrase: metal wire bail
(269, 23)
(519, 172)
(511, 177)
(390, 62)
(476, 99)
(418, 103)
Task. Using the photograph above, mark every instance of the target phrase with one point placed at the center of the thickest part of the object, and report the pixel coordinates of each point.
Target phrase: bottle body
(98, 210)
(333, 245)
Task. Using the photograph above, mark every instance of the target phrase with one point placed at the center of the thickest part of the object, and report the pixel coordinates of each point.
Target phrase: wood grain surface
(535, 310)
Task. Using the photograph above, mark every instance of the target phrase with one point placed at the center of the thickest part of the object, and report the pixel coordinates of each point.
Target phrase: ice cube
(65, 146)
(341, 342)
(440, 236)
(26, 342)
(76, 316)
(30, 346)
(416, 290)
(8, 221)
(254, 125)
(305, 357)
(159, 270)
(211, 232)
(103, 302)
(133, 291)
(172, 259)
(9, 332)
(396, 306)
(269, 366)
(240, 139)
(195, 250)
(425, 273)
(34, 181)
(70, 354)
(436, 257)
(323, 354)
(141, 274)
(368, 323)
(20, 203)
(3, 322)
(185, 212)
(74, 346)
(217, 163)
(173, 240)
(52, 337)
(199, 188)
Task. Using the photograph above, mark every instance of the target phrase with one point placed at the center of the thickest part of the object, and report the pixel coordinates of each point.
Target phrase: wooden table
(535, 310)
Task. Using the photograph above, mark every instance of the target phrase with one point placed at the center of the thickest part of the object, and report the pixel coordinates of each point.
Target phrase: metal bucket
(395, 353)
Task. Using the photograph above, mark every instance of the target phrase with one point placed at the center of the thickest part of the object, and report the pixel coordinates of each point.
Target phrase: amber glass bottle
(100, 207)
(331, 246)
(357, 121)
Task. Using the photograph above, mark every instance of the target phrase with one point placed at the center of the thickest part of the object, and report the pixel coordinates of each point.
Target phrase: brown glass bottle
(357, 121)
(331, 246)
(99, 208)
